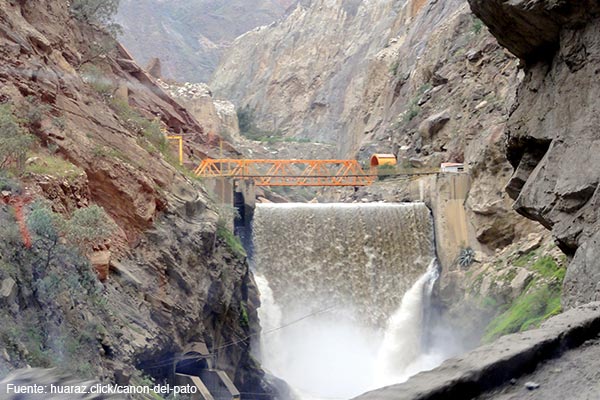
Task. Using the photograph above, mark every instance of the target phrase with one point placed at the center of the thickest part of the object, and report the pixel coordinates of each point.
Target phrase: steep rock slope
(190, 36)
(551, 133)
(176, 276)
(305, 75)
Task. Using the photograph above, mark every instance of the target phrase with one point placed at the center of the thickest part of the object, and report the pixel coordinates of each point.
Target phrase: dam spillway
(332, 279)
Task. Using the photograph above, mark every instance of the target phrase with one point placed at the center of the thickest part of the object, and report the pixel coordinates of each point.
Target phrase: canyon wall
(552, 139)
(189, 36)
(174, 277)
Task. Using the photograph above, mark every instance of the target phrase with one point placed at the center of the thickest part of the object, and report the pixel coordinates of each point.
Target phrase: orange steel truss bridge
(288, 172)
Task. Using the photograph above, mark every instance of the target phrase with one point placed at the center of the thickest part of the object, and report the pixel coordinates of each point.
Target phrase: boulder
(100, 261)
(8, 291)
(154, 68)
(520, 282)
(432, 125)
(438, 80)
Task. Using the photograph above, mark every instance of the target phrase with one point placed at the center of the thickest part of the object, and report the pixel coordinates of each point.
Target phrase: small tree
(46, 227)
(14, 141)
(60, 244)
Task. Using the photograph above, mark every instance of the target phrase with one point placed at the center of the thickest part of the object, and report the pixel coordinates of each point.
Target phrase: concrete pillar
(244, 203)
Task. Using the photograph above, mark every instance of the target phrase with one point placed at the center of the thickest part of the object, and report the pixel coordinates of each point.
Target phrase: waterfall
(343, 291)
(402, 352)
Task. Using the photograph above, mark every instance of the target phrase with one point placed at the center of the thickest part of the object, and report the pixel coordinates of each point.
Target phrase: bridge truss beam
(288, 172)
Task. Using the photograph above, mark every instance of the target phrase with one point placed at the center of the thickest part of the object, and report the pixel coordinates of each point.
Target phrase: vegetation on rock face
(152, 137)
(55, 166)
(58, 315)
(232, 241)
(93, 76)
(477, 26)
(14, 141)
(87, 226)
(248, 127)
(244, 319)
(539, 301)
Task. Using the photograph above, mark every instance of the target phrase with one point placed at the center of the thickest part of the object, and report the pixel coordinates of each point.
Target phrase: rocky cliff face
(189, 36)
(218, 117)
(551, 134)
(425, 81)
(306, 75)
(176, 279)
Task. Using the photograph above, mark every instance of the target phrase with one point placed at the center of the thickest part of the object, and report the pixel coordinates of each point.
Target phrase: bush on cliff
(14, 140)
(58, 314)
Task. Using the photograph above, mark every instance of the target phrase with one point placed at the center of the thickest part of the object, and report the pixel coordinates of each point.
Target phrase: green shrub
(9, 183)
(412, 113)
(45, 226)
(477, 26)
(55, 166)
(244, 319)
(60, 123)
(32, 112)
(14, 140)
(414, 109)
(88, 226)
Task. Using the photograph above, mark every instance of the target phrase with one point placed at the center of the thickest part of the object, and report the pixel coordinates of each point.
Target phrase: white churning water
(344, 289)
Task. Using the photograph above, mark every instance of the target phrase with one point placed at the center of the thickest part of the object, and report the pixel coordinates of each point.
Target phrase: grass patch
(109, 152)
(524, 260)
(538, 302)
(232, 241)
(547, 267)
(528, 311)
(55, 166)
(152, 138)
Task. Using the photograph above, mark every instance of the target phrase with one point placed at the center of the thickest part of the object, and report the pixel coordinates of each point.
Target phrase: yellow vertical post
(222, 176)
(179, 138)
(181, 151)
